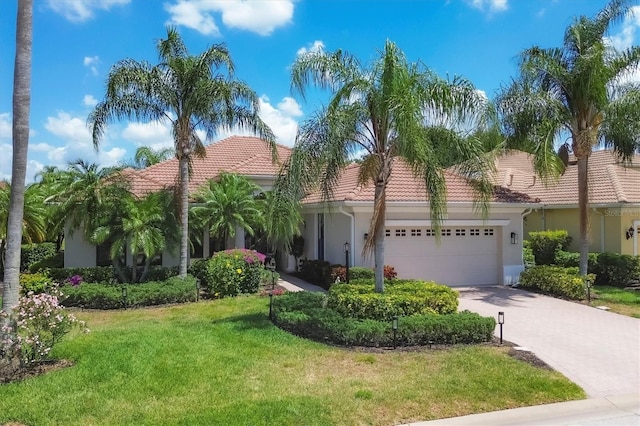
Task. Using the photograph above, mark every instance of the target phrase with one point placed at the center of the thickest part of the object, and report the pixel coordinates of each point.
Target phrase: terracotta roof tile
(239, 154)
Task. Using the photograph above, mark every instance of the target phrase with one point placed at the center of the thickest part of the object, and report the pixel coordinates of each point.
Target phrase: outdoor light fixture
(346, 255)
(500, 321)
(394, 326)
(272, 268)
(514, 238)
(197, 289)
(124, 296)
(629, 233)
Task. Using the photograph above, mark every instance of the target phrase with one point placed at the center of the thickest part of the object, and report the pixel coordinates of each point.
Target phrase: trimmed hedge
(108, 296)
(617, 269)
(556, 280)
(307, 315)
(317, 272)
(107, 274)
(569, 259)
(359, 300)
(545, 244)
(32, 253)
(55, 261)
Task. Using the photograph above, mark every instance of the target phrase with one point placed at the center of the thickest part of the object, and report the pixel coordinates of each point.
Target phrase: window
(416, 232)
(445, 232)
(474, 232)
(103, 257)
(401, 232)
(488, 232)
(429, 232)
(460, 232)
(387, 232)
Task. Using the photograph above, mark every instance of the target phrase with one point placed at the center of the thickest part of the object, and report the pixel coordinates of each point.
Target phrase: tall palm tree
(188, 92)
(146, 156)
(576, 92)
(20, 132)
(394, 109)
(282, 220)
(226, 204)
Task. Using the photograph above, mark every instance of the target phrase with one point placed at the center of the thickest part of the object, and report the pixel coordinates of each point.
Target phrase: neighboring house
(471, 250)
(248, 156)
(614, 199)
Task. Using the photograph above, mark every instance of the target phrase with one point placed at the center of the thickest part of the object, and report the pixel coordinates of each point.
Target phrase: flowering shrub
(74, 280)
(36, 325)
(231, 272)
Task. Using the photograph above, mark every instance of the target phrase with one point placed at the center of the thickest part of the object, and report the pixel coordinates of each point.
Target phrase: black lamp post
(346, 255)
(501, 322)
(394, 326)
(197, 289)
(272, 268)
(124, 296)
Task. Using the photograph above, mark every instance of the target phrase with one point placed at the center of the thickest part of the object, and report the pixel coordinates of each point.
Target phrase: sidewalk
(623, 410)
(292, 283)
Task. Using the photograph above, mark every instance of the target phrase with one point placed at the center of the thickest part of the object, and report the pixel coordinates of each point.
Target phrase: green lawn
(625, 302)
(223, 362)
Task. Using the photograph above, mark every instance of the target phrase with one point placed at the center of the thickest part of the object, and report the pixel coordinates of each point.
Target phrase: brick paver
(598, 350)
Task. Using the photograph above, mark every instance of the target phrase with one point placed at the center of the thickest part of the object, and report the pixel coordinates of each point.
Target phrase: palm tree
(282, 220)
(577, 92)
(188, 92)
(226, 204)
(394, 109)
(146, 156)
(20, 133)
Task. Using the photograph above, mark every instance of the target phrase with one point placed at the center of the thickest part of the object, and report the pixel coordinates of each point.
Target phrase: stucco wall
(77, 252)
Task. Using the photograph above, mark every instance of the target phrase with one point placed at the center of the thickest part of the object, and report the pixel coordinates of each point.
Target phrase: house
(614, 199)
(470, 250)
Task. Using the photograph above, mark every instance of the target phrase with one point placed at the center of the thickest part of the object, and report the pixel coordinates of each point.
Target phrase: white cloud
(290, 107)
(5, 125)
(316, 46)
(91, 62)
(625, 39)
(492, 5)
(281, 118)
(82, 10)
(89, 101)
(258, 16)
(154, 134)
(72, 129)
(33, 166)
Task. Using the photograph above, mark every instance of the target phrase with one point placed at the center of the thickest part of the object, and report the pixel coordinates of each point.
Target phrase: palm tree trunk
(378, 251)
(583, 207)
(184, 215)
(21, 109)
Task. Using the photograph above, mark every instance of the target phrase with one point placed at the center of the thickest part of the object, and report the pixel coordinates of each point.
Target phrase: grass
(223, 362)
(625, 302)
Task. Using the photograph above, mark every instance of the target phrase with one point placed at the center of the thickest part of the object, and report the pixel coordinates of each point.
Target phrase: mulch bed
(34, 370)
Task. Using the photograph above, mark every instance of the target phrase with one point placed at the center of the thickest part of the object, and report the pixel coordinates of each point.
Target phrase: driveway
(597, 350)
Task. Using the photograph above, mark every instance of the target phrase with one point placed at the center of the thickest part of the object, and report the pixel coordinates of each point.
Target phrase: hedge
(617, 270)
(545, 244)
(107, 274)
(32, 253)
(109, 296)
(316, 272)
(306, 314)
(556, 280)
(358, 299)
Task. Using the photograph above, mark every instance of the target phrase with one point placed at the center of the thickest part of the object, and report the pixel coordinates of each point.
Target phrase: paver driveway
(598, 350)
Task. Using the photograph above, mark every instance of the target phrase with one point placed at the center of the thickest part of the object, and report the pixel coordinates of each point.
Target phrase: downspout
(352, 234)
(636, 226)
(602, 234)
(544, 219)
(524, 214)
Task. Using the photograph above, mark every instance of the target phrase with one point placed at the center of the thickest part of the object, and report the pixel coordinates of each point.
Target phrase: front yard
(223, 362)
(621, 301)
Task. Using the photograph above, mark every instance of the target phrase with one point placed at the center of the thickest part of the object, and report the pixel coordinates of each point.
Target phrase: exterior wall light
(514, 238)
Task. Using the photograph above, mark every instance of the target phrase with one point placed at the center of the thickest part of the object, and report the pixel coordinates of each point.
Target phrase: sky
(75, 43)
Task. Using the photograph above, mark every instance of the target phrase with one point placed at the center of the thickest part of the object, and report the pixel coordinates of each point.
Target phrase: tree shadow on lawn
(255, 321)
(498, 296)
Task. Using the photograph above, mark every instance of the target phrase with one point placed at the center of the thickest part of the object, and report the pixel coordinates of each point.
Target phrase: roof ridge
(613, 175)
(244, 162)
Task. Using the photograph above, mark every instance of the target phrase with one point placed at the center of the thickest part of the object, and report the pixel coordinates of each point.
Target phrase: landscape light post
(346, 255)
(197, 289)
(394, 326)
(124, 296)
(501, 322)
(272, 268)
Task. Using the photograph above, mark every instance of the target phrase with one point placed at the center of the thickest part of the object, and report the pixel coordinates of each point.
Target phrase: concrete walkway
(598, 350)
(292, 283)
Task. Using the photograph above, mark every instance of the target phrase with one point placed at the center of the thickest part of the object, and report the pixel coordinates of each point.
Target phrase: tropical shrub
(232, 272)
(97, 274)
(316, 272)
(32, 253)
(568, 259)
(617, 269)
(308, 315)
(109, 296)
(55, 261)
(360, 272)
(35, 283)
(556, 280)
(36, 325)
(358, 299)
(545, 244)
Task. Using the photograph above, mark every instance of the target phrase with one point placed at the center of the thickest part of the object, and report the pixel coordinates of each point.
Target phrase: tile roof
(403, 186)
(245, 155)
(610, 181)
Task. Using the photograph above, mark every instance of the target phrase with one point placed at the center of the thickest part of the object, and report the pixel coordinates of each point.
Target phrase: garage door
(465, 256)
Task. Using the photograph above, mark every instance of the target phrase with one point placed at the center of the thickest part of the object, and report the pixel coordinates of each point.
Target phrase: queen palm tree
(226, 204)
(188, 92)
(146, 156)
(394, 109)
(20, 133)
(576, 92)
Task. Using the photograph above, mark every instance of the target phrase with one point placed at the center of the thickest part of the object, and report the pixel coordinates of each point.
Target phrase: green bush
(32, 253)
(36, 283)
(617, 269)
(556, 280)
(231, 272)
(317, 272)
(55, 261)
(568, 259)
(358, 299)
(545, 244)
(308, 315)
(527, 256)
(97, 274)
(109, 296)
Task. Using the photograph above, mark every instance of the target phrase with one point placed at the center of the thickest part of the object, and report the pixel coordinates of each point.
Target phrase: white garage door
(465, 256)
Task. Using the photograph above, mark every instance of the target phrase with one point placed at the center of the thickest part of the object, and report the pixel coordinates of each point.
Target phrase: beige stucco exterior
(607, 232)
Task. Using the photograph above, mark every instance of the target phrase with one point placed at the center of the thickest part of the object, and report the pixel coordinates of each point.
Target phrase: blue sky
(77, 41)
